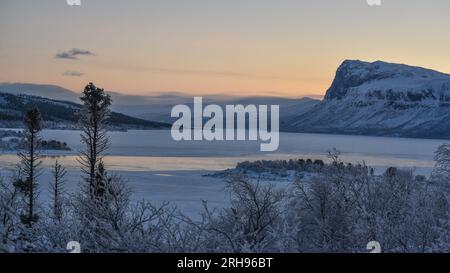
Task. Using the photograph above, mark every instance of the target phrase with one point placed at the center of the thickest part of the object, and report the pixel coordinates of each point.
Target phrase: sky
(235, 47)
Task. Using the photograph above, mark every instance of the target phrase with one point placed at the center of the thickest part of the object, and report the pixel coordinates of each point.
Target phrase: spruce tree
(58, 190)
(29, 164)
(93, 122)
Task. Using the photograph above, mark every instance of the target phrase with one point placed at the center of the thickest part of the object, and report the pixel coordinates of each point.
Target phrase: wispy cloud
(73, 54)
(69, 73)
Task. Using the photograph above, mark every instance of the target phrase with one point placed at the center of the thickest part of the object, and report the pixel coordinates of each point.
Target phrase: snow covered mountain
(288, 106)
(157, 107)
(382, 99)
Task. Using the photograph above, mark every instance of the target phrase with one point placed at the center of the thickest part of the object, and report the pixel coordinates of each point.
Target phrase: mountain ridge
(61, 114)
(382, 99)
(156, 107)
(365, 98)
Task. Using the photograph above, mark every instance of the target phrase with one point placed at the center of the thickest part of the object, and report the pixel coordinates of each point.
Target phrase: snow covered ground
(159, 169)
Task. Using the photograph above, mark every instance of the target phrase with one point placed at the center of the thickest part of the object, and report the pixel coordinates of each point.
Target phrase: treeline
(280, 167)
(261, 166)
(19, 144)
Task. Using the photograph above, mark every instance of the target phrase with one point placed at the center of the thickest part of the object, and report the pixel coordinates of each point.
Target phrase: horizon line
(268, 94)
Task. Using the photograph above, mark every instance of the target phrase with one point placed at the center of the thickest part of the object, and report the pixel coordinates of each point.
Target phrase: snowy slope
(381, 99)
(60, 114)
(157, 107)
(40, 90)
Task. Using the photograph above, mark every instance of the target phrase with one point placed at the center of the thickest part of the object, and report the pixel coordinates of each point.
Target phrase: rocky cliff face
(381, 98)
(387, 81)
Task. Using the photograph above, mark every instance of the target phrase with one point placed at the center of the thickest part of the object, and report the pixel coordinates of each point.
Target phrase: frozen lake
(161, 169)
(137, 150)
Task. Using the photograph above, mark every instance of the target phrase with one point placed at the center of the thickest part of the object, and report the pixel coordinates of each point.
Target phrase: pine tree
(441, 171)
(93, 123)
(58, 190)
(30, 162)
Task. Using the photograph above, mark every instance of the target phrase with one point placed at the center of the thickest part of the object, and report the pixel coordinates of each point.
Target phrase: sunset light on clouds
(248, 47)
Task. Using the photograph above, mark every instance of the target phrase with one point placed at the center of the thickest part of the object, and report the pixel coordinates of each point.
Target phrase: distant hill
(40, 90)
(158, 107)
(61, 114)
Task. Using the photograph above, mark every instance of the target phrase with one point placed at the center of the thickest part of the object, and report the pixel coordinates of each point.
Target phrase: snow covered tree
(10, 223)
(93, 122)
(248, 225)
(105, 221)
(57, 190)
(441, 169)
(30, 162)
(410, 211)
(334, 155)
(323, 212)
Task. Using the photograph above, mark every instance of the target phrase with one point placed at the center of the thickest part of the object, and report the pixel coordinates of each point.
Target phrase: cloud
(72, 74)
(73, 54)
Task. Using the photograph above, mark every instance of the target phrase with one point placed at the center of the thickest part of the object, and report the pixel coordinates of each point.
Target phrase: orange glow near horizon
(245, 48)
